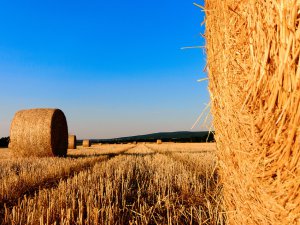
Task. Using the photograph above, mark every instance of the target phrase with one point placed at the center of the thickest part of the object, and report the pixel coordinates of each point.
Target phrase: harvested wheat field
(113, 184)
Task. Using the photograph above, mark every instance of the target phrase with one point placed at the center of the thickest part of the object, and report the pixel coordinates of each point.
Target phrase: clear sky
(114, 67)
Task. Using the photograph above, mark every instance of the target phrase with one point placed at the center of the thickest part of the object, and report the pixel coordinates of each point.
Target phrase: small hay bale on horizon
(39, 133)
(86, 143)
(159, 141)
(72, 142)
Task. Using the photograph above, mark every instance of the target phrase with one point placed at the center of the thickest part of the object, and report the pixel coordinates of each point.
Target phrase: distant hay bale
(39, 132)
(72, 142)
(86, 143)
(159, 141)
(254, 82)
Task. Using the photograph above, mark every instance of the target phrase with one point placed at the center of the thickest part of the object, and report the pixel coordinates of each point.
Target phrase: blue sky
(114, 67)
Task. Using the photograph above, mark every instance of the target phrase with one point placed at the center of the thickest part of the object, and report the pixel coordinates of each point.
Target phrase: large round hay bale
(72, 142)
(254, 81)
(86, 143)
(159, 141)
(39, 132)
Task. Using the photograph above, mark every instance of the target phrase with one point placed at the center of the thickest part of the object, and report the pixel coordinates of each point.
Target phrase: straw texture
(254, 81)
(72, 142)
(39, 132)
(86, 143)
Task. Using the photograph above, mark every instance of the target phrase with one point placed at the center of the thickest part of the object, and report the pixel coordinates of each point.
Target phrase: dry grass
(254, 80)
(39, 132)
(122, 184)
(17, 176)
(96, 150)
(184, 147)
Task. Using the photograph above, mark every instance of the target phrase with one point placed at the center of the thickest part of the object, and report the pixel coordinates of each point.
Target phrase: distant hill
(179, 136)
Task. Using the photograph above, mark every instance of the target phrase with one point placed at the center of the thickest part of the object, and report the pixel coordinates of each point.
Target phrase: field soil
(147, 183)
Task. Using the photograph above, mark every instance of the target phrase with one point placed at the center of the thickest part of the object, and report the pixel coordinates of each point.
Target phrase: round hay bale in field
(86, 143)
(39, 132)
(72, 142)
(254, 81)
(159, 141)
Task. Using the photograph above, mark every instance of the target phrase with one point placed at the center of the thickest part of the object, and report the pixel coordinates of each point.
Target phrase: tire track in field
(207, 174)
(54, 182)
(188, 163)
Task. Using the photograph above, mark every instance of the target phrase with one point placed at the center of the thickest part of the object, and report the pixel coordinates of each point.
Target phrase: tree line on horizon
(4, 141)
